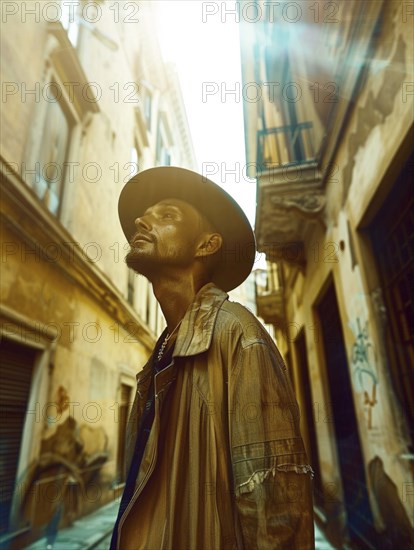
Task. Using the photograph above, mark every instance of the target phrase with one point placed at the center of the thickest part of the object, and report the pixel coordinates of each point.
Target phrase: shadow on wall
(397, 532)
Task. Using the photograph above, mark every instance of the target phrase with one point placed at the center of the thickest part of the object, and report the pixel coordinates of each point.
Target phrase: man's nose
(142, 221)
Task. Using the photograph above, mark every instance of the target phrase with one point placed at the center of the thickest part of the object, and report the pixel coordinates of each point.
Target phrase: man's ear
(209, 244)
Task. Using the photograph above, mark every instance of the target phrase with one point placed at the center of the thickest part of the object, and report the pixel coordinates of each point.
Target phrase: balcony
(270, 307)
(289, 191)
(269, 296)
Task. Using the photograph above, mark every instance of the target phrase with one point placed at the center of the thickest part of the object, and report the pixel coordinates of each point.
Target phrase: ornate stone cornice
(306, 204)
(289, 199)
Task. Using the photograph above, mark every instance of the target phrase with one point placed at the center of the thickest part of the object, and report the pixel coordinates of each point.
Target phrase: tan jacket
(225, 466)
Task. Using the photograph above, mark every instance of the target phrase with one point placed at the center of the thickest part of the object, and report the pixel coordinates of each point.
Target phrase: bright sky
(207, 56)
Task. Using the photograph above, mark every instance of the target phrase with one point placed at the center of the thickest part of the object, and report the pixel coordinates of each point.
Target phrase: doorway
(308, 412)
(359, 517)
(392, 235)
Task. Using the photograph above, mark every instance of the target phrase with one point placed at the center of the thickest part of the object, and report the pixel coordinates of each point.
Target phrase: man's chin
(138, 263)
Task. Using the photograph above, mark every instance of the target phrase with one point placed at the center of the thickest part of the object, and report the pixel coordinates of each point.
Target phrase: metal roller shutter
(16, 369)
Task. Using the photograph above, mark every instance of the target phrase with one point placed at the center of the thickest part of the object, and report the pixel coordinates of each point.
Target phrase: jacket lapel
(196, 330)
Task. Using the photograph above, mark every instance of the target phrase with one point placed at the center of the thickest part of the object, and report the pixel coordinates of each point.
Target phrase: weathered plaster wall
(76, 418)
(375, 132)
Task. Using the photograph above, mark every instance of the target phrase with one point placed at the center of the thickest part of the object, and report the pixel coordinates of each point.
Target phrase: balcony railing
(285, 145)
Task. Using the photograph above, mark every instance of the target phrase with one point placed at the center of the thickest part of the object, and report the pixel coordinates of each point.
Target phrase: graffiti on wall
(363, 360)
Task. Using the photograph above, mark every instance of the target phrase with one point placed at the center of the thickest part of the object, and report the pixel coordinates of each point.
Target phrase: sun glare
(207, 57)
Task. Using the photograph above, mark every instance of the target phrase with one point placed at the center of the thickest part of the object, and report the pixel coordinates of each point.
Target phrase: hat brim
(155, 184)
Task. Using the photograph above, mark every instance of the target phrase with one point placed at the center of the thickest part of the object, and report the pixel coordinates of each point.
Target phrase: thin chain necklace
(164, 344)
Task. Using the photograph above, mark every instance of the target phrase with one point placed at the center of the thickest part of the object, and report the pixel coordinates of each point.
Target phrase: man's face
(166, 235)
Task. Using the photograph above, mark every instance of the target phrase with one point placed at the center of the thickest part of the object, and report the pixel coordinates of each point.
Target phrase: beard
(141, 262)
(151, 261)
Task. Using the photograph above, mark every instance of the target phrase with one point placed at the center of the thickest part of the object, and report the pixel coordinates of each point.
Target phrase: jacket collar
(196, 330)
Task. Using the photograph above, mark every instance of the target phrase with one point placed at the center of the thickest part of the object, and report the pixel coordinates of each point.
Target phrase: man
(214, 454)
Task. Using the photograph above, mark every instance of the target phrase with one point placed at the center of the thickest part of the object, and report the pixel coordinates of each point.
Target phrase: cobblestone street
(94, 532)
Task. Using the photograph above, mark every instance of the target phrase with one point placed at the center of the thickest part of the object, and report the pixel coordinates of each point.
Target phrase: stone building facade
(86, 102)
(329, 117)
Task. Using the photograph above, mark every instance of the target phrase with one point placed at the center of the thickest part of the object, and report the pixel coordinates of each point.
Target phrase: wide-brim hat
(236, 258)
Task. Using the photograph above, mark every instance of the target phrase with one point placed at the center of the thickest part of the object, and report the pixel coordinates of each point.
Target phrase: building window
(126, 392)
(49, 173)
(131, 286)
(70, 20)
(134, 161)
(162, 153)
(148, 305)
(157, 315)
(147, 110)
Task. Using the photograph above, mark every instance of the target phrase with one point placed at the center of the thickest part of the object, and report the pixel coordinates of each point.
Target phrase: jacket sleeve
(271, 474)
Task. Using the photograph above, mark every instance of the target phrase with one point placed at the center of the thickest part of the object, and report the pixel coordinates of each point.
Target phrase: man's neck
(174, 297)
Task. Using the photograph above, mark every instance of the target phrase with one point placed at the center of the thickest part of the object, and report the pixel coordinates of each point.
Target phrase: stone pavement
(85, 533)
(93, 532)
